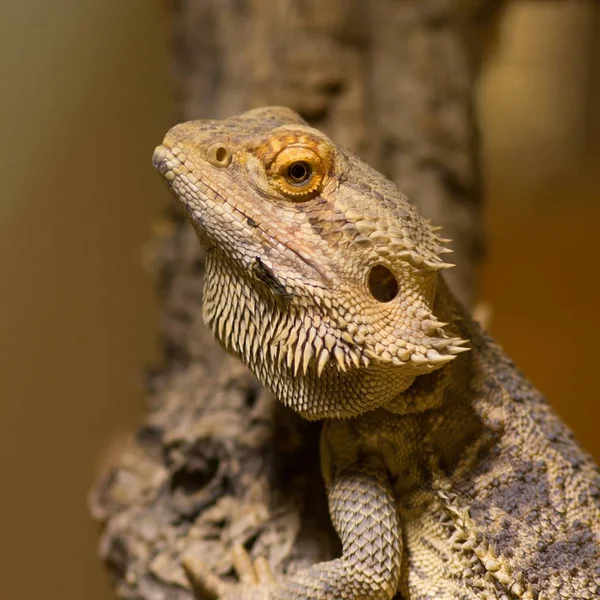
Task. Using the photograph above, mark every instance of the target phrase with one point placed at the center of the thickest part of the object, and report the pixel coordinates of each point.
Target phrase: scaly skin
(448, 476)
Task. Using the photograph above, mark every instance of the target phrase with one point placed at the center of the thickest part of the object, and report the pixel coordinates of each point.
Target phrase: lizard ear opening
(383, 285)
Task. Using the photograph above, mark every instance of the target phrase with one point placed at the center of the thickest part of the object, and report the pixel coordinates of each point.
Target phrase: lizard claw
(256, 578)
(204, 582)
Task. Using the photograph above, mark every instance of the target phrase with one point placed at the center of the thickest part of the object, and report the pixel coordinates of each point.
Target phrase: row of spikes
(298, 344)
(296, 341)
(481, 557)
(365, 232)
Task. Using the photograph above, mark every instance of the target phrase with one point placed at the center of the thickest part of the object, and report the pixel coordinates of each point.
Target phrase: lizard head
(320, 274)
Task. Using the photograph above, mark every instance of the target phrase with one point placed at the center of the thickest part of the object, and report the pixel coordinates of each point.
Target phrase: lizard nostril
(383, 285)
(219, 155)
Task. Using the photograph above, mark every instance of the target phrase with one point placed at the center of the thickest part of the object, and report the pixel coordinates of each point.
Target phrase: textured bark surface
(218, 461)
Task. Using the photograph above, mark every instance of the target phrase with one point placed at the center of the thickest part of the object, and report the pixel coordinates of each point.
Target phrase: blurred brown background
(86, 96)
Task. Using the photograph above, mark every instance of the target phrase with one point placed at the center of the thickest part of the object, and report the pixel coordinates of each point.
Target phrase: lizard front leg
(364, 514)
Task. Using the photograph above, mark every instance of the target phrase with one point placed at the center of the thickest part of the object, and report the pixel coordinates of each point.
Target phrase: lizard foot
(256, 578)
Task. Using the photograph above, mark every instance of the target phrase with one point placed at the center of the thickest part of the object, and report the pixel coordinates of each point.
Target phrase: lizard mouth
(204, 195)
(165, 162)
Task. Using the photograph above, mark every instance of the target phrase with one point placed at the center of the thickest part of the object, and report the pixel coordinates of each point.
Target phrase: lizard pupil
(383, 285)
(299, 172)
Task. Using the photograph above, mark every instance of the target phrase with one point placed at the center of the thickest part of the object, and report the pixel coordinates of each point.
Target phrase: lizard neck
(264, 331)
(434, 389)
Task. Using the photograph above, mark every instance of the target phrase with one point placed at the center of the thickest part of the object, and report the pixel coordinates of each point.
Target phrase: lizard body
(448, 475)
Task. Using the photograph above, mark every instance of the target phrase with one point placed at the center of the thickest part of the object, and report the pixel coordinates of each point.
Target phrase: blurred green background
(85, 97)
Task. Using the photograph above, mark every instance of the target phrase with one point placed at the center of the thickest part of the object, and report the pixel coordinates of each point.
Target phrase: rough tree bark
(218, 461)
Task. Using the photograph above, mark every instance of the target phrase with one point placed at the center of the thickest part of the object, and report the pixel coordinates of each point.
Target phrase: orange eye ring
(297, 172)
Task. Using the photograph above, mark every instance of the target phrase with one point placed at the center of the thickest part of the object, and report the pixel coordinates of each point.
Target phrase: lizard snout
(159, 159)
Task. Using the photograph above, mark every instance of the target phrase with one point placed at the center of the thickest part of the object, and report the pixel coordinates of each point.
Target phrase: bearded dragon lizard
(448, 475)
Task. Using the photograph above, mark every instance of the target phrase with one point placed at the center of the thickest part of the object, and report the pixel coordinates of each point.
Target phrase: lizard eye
(383, 285)
(297, 172)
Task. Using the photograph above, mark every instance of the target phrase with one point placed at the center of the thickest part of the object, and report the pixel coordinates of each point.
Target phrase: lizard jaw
(317, 332)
